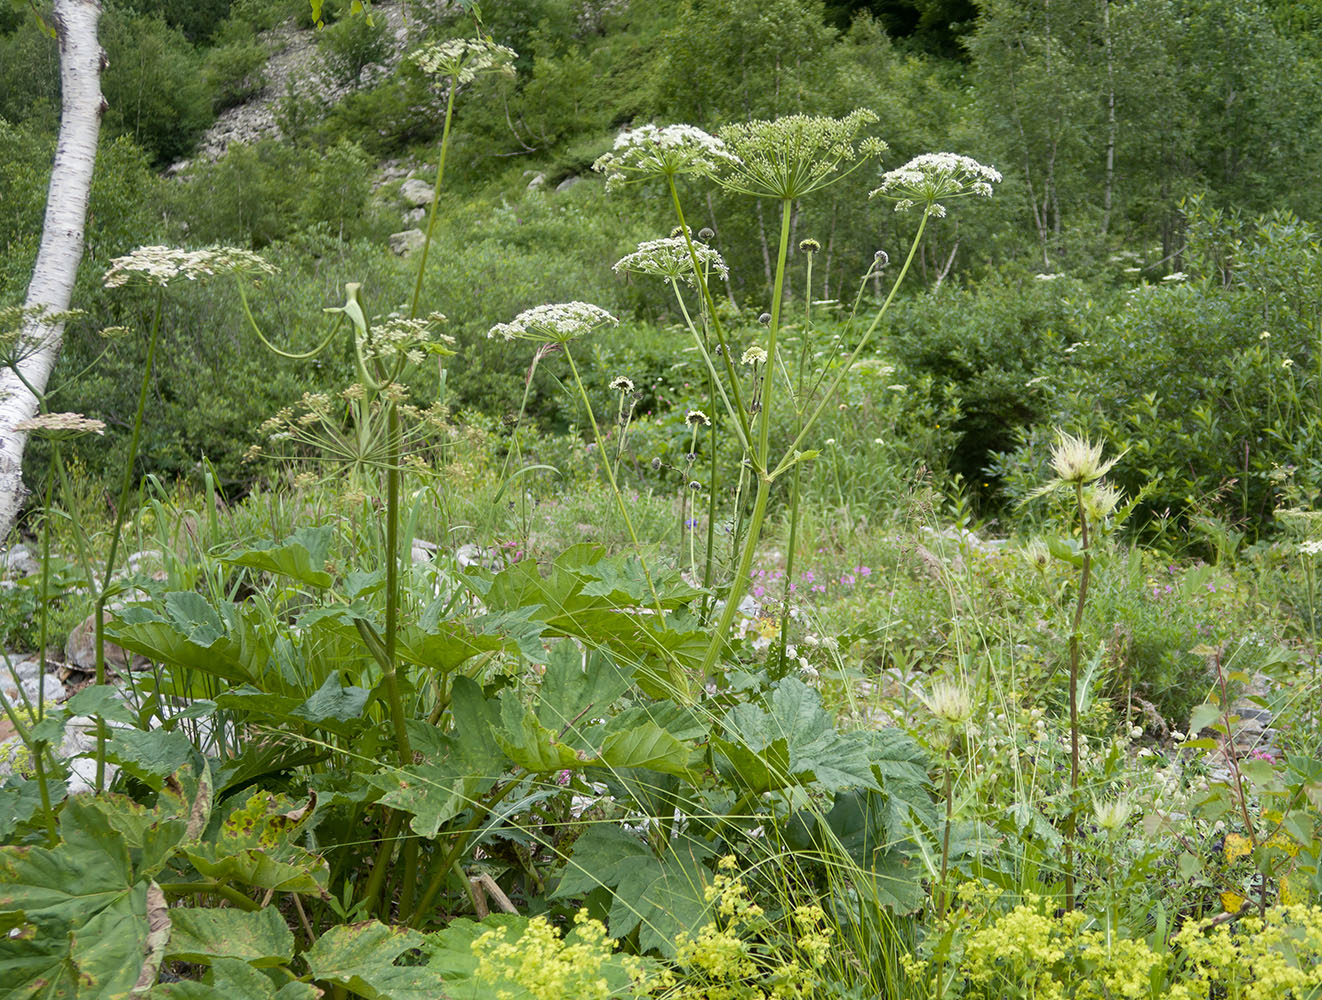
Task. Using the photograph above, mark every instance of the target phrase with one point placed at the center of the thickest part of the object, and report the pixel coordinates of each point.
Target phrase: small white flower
(697, 417)
(1287, 362)
(1312, 547)
(1048, 277)
(755, 356)
(1176, 276)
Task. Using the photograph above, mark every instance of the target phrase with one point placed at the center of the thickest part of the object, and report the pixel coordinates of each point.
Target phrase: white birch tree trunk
(51, 289)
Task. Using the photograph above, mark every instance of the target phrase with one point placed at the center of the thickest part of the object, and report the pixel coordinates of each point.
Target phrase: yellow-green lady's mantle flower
(931, 178)
(465, 58)
(649, 151)
(554, 324)
(789, 157)
(670, 259)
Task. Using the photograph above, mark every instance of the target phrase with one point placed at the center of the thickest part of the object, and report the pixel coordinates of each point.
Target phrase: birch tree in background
(51, 288)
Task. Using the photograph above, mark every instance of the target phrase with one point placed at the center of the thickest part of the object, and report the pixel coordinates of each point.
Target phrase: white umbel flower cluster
(61, 424)
(398, 337)
(464, 58)
(161, 265)
(791, 156)
(554, 324)
(669, 258)
(651, 151)
(931, 178)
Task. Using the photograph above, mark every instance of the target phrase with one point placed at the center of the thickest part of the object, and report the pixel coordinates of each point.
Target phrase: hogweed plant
(784, 160)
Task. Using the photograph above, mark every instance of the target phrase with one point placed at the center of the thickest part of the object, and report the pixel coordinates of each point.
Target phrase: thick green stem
(435, 198)
(1071, 818)
(762, 451)
(121, 513)
(739, 582)
(381, 864)
(945, 840)
(392, 585)
(219, 888)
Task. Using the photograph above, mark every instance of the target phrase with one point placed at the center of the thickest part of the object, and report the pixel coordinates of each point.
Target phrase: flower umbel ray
(791, 156)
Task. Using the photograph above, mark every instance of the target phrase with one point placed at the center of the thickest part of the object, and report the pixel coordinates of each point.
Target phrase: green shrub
(350, 45)
(234, 73)
(153, 85)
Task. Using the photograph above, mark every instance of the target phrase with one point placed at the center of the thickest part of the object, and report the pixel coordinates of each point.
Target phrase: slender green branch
(849, 362)
(435, 198)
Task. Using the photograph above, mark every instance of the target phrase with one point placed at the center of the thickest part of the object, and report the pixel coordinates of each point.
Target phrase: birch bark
(61, 249)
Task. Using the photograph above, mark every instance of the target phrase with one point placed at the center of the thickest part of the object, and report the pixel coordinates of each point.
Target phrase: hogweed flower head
(810, 246)
(670, 259)
(651, 151)
(464, 58)
(554, 324)
(60, 425)
(158, 265)
(622, 383)
(794, 155)
(927, 180)
(696, 417)
(754, 356)
(396, 337)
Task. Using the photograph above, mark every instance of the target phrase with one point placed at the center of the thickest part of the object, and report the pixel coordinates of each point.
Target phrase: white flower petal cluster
(754, 356)
(161, 265)
(790, 156)
(554, 324)
(928, 179)
(397, 336)
(61, 424)
(652, 151)
(464, 58)
(669, 258)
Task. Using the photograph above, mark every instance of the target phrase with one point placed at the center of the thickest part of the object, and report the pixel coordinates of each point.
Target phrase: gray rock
(407, 242)
(567, 183)
(423, 550)
(538, 180)
(415, 215)
(18, 561)
(80, 649)
(416, 192)
(46, 689)
(24, 669)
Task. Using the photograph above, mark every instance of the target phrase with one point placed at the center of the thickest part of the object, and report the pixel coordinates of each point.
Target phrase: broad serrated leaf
(202, 935)
(433, 794)
(332, 701)
(529, 744)
(152, 755)
(254, 846)
(578, 687)
(300, 557)
(362, 958)
(234, 979)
